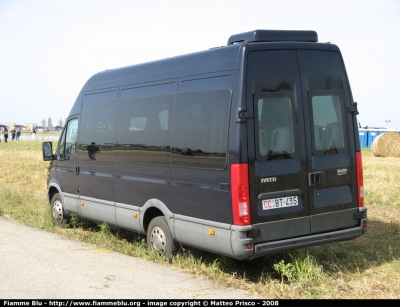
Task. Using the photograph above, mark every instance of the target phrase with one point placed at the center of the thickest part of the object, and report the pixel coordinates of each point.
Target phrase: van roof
(274, 36)
(224, 58)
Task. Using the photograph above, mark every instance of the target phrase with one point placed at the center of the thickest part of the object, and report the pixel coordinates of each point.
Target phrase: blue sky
(49, 48)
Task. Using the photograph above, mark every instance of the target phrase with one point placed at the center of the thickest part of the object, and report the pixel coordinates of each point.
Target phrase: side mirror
(47, 150)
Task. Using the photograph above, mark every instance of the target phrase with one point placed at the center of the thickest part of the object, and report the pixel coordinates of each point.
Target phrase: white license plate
(276, 203)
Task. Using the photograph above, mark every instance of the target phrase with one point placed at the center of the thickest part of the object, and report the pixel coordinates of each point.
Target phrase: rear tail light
(360, 180)
(240, 194)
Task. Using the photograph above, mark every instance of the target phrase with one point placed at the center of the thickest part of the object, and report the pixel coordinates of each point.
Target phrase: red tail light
(360, 180)
(240, 194)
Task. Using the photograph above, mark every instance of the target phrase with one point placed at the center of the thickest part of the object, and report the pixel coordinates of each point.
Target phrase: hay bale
(386, 145)
(374, 146)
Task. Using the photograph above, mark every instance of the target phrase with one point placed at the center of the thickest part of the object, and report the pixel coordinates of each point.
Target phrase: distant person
(5, 135)
(18, 134)
(33, 134)
(13, 134)
(92, 150)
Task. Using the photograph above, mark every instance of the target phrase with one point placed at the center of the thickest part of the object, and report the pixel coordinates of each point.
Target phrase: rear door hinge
(242, 115)
(224, 187)
(353, 108)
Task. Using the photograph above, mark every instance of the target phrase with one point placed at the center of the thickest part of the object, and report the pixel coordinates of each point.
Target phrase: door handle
(76, 170)
(316, 178)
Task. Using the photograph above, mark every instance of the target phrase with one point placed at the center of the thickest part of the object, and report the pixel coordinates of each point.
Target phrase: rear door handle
(316, 178)
(76, 170)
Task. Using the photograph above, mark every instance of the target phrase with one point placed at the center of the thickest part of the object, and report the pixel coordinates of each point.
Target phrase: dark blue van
(244, 150)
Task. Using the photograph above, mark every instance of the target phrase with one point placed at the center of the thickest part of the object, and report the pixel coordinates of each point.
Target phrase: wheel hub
(158, 239)
(57, 212)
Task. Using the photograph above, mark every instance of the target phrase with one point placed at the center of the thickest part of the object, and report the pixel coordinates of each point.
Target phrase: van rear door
(332, 176)
(301, 145)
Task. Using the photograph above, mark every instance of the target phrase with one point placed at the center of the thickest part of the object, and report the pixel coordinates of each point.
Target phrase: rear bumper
(310, 240)
(245, 246)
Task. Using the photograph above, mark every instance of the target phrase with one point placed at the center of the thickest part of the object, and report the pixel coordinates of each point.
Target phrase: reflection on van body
(243, 150)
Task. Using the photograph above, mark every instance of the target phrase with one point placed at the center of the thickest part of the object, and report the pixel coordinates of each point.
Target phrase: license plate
(276, 203)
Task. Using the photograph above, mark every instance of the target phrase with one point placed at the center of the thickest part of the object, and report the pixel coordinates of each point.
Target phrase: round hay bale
(386, 145)
(374, 146)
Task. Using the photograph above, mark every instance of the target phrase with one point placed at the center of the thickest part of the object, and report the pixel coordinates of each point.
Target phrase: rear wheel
(159, 238)
(59, 216)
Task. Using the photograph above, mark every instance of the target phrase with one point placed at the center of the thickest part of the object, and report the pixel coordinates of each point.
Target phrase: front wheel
(159, 238)
(59, 216)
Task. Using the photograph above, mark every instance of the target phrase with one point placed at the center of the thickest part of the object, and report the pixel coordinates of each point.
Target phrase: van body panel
(191, 194)
(242, 244)
(97, 210)
(128, 217)
(160, 138)
(278, 230)
(332, 196)
(320, 163)
(66, 174)
(333, 221)
(70, 202)
(135, 182)
(96, 180)
(196, 234)
(226, 239)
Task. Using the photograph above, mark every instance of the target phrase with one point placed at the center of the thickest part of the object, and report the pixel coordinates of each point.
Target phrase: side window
(328, 131)
(67, 145)
(143, 133)
(200, 129)
(97, 131)
(275, 132)
(61, 145)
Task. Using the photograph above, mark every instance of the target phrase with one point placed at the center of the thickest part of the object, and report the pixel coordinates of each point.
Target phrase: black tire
(159, 238)
(58, 215)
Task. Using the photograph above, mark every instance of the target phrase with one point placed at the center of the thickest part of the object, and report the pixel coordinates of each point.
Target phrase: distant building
(10, 126)
(46, 123)
(20, 127)
(29, 126)
(61, 122)
(40, 128)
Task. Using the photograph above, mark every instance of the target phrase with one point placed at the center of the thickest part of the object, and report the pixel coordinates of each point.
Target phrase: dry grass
(367, 267)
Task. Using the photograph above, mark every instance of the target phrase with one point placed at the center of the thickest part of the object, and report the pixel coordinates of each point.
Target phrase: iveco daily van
(242, 150)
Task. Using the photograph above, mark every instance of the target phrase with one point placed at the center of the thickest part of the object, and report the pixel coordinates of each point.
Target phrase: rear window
(275, 133)
(329, 133)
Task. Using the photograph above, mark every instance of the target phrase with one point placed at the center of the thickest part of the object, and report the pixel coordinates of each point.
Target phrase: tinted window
(275, 133)
(200, 129)
(96, 131)
(68, 140)
(143, 130)
(327, 119)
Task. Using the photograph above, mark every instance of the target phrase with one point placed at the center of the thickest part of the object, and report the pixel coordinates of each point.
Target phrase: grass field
(367, 267)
